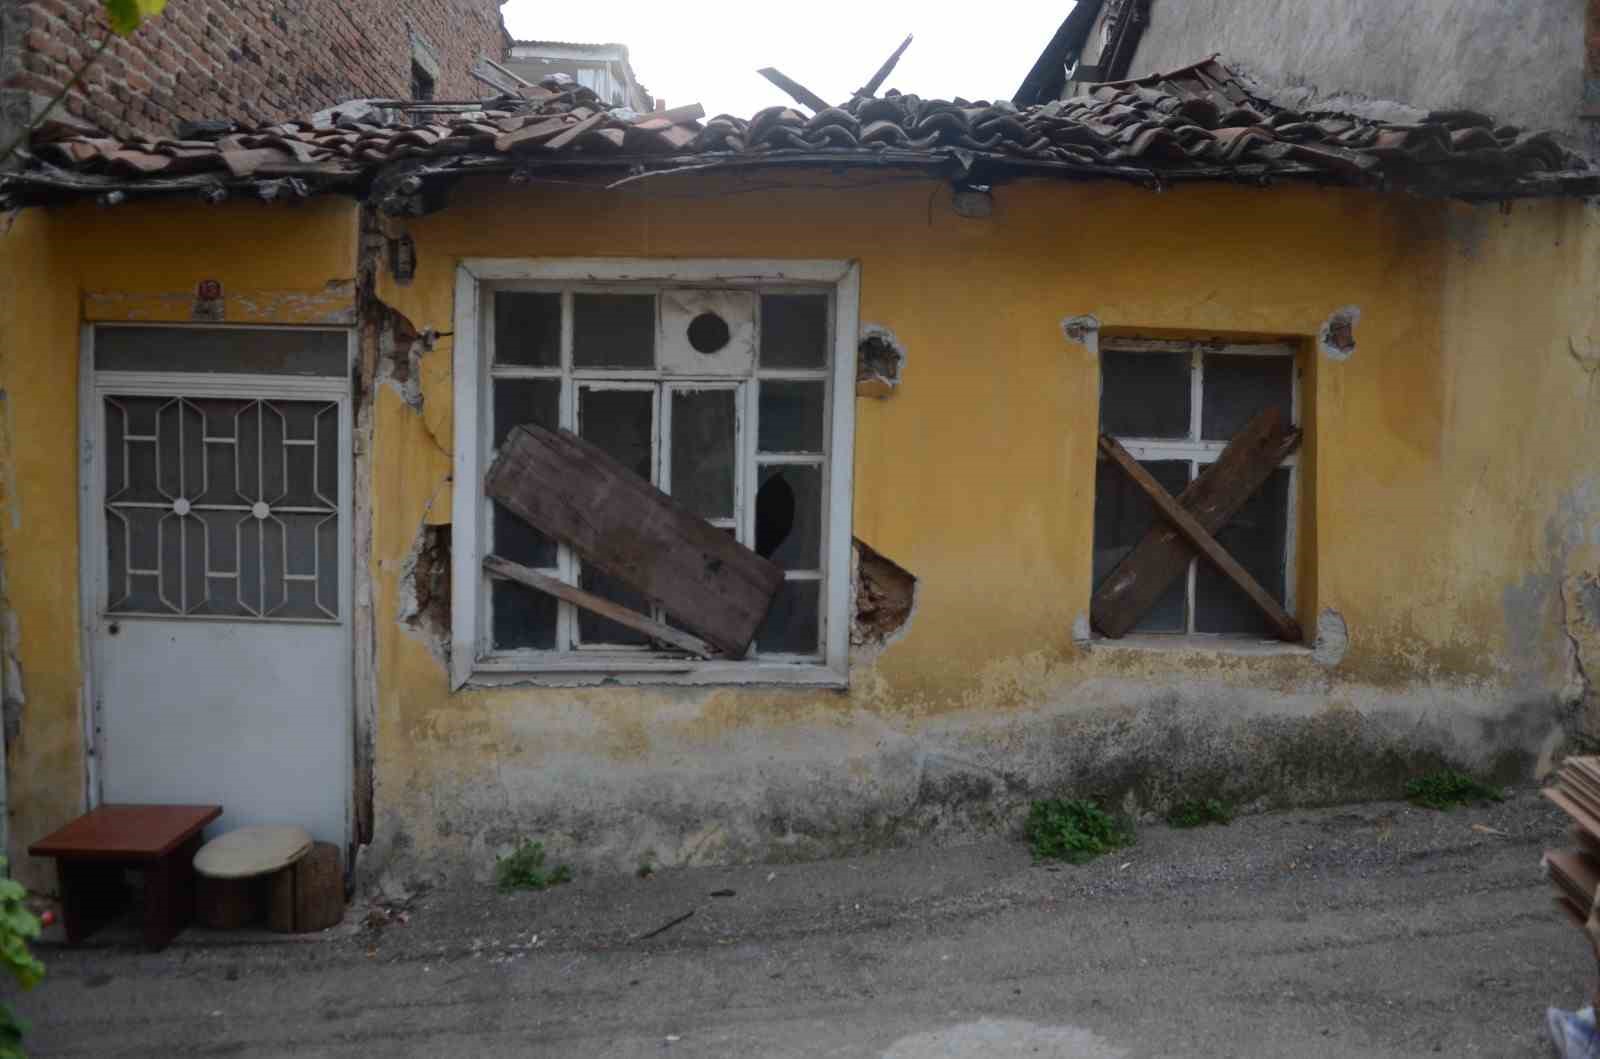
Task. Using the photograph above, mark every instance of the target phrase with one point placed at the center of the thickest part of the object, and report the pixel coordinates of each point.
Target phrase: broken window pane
(614, 330)
(789, 516)
(622, 422)
(791, 416)
(1255, 538)
(522, 616)
(794, 330)
(518, 401)
(704, 435)
(792, 626)
(1144, 395)
(527, 329)
(592, 628)
(1238, 388)
(1123, 514)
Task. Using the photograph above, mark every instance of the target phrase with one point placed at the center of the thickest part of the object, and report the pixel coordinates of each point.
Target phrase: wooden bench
(93, 851)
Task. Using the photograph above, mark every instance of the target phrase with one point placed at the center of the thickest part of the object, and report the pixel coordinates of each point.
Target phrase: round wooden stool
(236, 872)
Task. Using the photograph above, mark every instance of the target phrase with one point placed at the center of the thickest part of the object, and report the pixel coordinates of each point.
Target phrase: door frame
(93, 386)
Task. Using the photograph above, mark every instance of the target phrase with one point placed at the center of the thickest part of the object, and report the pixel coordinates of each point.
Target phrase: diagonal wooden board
(575, 491)
(1213, 498)
(495, 566)
(1204, 543)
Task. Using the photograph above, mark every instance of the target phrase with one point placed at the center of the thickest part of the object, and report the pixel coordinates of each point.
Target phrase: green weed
(1199, 813)
(523, 869)
(1448, 788)
(1074, 830)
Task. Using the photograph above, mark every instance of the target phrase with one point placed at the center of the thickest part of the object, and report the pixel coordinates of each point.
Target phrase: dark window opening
(421, 82)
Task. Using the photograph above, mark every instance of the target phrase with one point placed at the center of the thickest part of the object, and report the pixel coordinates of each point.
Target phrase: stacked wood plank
(1575, 873)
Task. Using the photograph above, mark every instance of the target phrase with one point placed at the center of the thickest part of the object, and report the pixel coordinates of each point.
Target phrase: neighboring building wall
(601, 67)
(1524, 63)
(253, 61)
(1450, 518)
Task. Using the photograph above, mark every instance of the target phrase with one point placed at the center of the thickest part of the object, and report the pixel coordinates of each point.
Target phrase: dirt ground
(1374, 930)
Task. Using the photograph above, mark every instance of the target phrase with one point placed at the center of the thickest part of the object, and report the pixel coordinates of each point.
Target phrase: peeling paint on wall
(425, 589)
(1333, 638)
(1083, 329)
(880, 361)
(1337, 339)
(332, 303)
(886, 598)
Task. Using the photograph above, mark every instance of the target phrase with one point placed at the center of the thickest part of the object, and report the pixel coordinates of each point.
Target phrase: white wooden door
(217, 548)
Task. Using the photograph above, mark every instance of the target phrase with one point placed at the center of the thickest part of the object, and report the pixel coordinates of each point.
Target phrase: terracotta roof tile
(1200, 123)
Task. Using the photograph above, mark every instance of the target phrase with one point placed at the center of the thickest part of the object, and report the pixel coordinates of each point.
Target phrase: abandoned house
(698, 488)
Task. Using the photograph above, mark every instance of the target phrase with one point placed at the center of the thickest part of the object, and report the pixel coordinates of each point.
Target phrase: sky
(708, 51)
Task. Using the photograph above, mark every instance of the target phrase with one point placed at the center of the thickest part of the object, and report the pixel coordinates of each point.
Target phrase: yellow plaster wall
(1450, 512)
(59, 268)
(1441, 456)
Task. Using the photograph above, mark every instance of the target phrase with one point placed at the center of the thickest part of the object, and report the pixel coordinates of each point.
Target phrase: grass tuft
(523, 869)
(1074, 830)
(1448, 788)
(1200, 813)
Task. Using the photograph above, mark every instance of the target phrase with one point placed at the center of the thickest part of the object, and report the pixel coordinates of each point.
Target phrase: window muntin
(742, 442)
(1174, 406)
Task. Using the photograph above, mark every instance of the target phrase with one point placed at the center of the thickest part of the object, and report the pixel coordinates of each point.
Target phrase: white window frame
(1199, 452)
(472, 661)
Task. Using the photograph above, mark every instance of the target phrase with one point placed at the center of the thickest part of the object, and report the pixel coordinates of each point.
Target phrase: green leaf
(125, 16)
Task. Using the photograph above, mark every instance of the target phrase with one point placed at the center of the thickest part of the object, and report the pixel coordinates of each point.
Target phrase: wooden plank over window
(1202, 541)
(573, 490)
(1212, 499)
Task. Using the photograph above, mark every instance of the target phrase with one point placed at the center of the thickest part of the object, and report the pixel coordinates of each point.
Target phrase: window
(718, 387)
(1174, 406)
(421, 82)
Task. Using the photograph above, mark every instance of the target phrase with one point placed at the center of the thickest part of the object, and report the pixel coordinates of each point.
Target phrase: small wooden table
(92, 852)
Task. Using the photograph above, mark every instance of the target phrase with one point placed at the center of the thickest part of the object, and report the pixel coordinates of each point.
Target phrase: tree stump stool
(236, 872)
(308, 894)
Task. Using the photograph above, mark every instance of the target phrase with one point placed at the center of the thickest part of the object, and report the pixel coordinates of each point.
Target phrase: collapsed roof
(1200, 123)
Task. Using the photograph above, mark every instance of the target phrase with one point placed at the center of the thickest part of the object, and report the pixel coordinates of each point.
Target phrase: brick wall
(252, 61)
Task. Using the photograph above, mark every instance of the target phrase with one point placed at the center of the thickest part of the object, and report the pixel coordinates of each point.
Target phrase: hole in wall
(709, 333)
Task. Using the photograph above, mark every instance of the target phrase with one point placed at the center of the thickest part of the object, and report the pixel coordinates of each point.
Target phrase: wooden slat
(511, 571)
(1213, 498)
(1581, 816)
(797, 91)
(1207, 545)
(872, 86)
(573, 490)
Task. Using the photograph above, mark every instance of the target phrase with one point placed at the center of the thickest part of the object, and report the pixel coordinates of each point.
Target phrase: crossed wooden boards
(1188, 524)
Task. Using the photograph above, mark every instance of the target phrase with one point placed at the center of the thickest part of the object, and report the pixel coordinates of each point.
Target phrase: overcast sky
(708, 51)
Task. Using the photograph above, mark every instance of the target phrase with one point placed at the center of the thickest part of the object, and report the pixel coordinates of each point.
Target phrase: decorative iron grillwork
(222, 508)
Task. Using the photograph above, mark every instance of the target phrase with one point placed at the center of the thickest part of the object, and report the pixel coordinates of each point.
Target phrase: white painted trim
(470, 663)
(467, 504)
(89, 489)
(1123, 344)
(728, 272)
(838, 486)
(216, 384)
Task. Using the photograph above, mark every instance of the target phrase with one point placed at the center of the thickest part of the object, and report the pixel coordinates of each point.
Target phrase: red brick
(182, 65)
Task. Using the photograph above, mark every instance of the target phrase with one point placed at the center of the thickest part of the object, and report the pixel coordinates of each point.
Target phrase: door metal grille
(222, 507)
